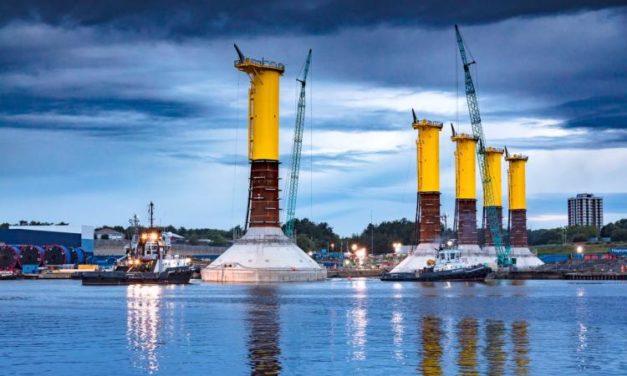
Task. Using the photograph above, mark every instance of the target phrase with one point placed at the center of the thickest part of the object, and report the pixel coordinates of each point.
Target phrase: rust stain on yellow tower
(493, 158)
(516, 181)
(428, 154)
(465, 166)
(263, 107)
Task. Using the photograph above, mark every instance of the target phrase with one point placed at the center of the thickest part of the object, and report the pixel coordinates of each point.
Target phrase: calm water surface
(336, 327)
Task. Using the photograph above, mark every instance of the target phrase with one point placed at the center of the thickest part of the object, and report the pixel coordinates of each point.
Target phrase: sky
(105, 106)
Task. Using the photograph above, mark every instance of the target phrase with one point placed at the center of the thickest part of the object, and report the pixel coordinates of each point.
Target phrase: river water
(336, 327)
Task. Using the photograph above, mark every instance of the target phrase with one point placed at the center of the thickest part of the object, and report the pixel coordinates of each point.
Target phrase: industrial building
(27, 248)
(585, 210)
(108, 233)
(68, 235)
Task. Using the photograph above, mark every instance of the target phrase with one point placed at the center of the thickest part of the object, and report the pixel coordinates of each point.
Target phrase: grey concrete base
(418, 259)
(238, 275)
(472, 254)
(264, 254)
(525, 259)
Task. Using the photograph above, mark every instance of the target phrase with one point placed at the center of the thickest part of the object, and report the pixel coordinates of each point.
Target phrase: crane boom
(503, 253)
(292, 183)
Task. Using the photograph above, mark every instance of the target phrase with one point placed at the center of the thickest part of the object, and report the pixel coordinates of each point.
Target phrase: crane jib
(503, 254)
(292, 183)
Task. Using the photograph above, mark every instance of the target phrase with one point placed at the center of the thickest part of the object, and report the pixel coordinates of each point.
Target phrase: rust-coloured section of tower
(466, 221)
(429, 217)
(264, 194)
(518, 227)
(486, 227)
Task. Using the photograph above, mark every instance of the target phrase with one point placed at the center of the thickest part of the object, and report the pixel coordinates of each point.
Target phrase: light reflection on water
(336, 327)
(142, 325)
(358, 320)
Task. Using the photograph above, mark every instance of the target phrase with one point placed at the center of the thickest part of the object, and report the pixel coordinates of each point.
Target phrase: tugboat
(147, 261)
(448, 266)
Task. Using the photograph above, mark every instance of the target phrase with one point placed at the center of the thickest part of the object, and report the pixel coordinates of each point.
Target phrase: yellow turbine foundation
(428, 155)
(494, 157)
(465, 167)
(264, 253)
(516, 179)
(263, 109)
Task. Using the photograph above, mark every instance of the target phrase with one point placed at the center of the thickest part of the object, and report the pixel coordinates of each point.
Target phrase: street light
(580, 249)
(397, 247)
(354, 247)
(361, 255)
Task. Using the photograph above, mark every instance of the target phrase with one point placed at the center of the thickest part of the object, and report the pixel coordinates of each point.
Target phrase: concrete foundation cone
(264, 254)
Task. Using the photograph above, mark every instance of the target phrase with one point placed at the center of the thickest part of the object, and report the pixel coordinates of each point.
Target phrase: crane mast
(503, 253)
(292, 183)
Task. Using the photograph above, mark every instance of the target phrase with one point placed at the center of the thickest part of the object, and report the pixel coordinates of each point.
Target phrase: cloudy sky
(108, 105)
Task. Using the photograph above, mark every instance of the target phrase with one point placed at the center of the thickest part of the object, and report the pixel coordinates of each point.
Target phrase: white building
(585, 210)
(107, 233)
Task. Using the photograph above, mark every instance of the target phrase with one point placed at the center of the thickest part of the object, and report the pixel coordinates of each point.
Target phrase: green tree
(545, 236)
(619, 235)
(580, 233)
(305, 243)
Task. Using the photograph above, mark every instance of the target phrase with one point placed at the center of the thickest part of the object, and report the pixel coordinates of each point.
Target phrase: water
(336, 327)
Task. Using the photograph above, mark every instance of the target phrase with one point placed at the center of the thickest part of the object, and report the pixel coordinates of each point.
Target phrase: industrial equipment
(503, 252)
(292, 181)
(9, 257)
(32, 255)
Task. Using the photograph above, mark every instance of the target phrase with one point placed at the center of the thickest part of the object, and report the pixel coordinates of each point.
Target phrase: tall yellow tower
(516, 180)
(494, 157)
(264, 253)
(263, 139)
(428, 164)
(465, 166)
(465, 188)
(517, 199)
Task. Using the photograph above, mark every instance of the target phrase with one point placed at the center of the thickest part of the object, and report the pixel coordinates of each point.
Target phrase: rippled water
(340, 327)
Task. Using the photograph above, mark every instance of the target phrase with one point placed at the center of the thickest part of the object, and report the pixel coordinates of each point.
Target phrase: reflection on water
(398, 328)
(358, 320)
(142, 325)
(336, 327)
(494, 353)
(431, 346)
(264, 331)
(521, 347)
(467, 331)
(398, 322)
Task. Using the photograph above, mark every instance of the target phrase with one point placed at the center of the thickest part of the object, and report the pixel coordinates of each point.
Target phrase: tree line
(311, 236)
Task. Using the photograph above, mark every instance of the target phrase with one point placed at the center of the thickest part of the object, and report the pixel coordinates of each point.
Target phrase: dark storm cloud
(22, 103)
(600, 113)
(588, 141)
(218, 18)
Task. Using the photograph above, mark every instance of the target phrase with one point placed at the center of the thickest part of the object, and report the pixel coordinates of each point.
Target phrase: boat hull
(179, 276)
(476, 273)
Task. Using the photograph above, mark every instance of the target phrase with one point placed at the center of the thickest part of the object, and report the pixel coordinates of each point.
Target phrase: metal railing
(262, 62)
